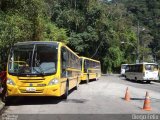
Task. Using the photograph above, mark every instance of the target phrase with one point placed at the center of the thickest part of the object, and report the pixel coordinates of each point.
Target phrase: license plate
(30, 89)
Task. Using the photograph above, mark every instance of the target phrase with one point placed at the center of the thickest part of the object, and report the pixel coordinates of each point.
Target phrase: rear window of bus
(151, 67)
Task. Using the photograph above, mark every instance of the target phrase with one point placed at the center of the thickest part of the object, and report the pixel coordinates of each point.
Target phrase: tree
(147, 12)
(23, 20)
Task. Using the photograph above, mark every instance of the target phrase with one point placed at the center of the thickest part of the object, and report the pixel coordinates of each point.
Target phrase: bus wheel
(66, 91)
(138, 81)
(148, 81)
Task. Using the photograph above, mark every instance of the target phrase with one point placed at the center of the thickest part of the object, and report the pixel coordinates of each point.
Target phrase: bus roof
(147, 63)
(124, 64)
(89, 59)
(36, 42)
(143, 63)
(45, 42)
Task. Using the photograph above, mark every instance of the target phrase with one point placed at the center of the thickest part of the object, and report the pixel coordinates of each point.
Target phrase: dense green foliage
(92, 28)
(26, 20)
(147, 12)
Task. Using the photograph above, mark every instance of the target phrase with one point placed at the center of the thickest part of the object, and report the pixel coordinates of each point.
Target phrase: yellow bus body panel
(40, 84)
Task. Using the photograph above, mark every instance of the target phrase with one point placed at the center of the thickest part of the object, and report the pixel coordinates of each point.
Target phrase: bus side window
(64, 59)
(130, 68)
(127, 69)
(85, 66)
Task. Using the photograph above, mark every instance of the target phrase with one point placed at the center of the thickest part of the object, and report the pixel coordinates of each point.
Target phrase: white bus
(123, 69)
(142, 72)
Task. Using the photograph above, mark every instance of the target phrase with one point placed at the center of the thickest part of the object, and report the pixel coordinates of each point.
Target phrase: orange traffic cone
(147, 102)
(127, 96)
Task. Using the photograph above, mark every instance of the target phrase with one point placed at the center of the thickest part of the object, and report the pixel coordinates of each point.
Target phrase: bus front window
(35, 59)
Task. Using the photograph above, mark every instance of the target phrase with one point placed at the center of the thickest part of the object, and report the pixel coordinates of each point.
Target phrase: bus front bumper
(53, 90)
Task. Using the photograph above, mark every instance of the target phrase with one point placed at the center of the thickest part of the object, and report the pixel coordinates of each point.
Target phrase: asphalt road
(102, 97)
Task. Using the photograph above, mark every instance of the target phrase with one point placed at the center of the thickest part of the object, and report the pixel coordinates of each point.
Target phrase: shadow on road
(135, 98)
(16, 101)
(134, 81)
(153, 100)
(90, 81)
(75, 101)
(36, 100)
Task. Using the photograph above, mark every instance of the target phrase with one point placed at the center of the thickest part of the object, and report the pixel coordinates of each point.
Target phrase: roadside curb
(2, 104)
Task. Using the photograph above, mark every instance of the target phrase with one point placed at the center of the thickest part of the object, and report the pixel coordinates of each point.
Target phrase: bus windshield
(33, 59)
(152, 67)
(123, 66)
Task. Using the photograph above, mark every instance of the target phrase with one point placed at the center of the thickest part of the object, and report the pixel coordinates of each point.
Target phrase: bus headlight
(10, 82)
(53, 82)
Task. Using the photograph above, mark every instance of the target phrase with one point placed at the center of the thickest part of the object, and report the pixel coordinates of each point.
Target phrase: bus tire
(65, 96)
(138, 81)
(148, 81)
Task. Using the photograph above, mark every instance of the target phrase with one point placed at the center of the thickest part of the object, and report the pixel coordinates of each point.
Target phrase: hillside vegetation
(92, 28)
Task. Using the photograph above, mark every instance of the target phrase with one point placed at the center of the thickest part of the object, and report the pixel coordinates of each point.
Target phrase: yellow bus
(91, 69)
(42, 69)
